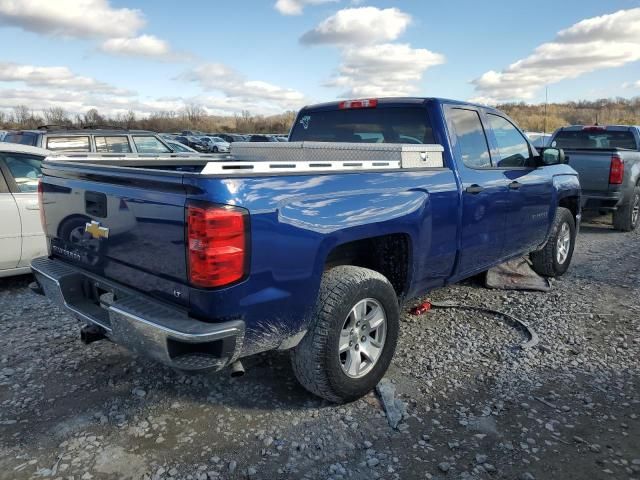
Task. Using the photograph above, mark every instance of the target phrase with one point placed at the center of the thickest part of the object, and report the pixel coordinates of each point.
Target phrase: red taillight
(616, 173)
(594, 128)
(367, 103)
(217, 247)
(43, 219)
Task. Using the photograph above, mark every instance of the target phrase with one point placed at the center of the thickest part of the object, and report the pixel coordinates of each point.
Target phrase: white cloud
(364, 25)
(383, 70)
(71, 18)
(79, 102)
(235, 86)
(371, 66)
(295, 7)
(87, 19)
(596, 43)
(142, 46)
(53, 77)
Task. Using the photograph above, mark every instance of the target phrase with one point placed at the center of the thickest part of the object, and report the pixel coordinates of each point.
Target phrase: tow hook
(237, 370)
(92, 333)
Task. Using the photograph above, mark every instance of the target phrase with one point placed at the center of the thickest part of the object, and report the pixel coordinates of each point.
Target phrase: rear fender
(348, 218)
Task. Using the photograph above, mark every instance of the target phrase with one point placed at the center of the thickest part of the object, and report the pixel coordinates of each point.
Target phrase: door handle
(33, 206)
(515, 185)
(474, 189)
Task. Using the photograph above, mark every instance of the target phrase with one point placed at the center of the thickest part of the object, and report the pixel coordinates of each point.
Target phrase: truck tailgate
(593, 168)
(128, 227)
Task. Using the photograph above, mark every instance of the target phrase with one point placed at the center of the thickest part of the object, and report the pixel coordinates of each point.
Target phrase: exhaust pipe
(237, 370)
(91, 333)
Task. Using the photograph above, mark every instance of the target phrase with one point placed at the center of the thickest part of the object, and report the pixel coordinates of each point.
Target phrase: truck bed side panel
(297, 220)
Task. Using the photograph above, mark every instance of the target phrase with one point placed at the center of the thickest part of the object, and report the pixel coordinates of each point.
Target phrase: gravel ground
(476, 405)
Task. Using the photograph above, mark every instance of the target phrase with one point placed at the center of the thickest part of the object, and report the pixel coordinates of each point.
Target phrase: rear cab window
(364, 125)
(594, 138)
(149, 144)
(75, 143)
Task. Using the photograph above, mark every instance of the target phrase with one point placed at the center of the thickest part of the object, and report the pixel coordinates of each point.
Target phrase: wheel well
(386, 254)
(570, 203)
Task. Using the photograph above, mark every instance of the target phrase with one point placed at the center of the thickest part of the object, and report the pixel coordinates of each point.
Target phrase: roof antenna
(546, 102)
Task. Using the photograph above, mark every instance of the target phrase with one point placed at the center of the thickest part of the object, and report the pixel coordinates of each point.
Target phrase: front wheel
(215, 149)
(353, 337)
(554, 259)
(626, 218)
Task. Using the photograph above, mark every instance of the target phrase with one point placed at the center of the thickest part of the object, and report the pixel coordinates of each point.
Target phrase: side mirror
(552, 156)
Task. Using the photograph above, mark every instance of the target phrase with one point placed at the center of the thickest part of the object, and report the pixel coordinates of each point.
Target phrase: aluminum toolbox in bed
(406, 155)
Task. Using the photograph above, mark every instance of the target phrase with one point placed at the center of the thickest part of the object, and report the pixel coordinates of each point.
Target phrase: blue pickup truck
(311, 246)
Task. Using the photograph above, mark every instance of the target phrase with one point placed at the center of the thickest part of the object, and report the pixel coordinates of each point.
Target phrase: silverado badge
(96, 230)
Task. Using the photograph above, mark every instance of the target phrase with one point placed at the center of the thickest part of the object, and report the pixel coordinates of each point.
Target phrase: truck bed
(294, 207)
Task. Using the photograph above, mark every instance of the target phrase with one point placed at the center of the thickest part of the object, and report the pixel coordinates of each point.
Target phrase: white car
(216, 144)
(21, 235)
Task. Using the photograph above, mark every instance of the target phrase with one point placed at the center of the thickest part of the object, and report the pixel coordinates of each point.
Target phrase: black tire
(316, 359)
(545, 261)
(626, 218)
(215, 149)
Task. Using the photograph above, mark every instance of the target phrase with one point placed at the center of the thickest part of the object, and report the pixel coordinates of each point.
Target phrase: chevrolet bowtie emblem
(94, 229)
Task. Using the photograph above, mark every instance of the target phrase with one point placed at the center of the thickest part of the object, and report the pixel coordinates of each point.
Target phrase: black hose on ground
(533, 336)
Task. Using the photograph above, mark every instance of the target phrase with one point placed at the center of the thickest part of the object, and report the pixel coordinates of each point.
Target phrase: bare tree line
(192, 117)
(618, 111)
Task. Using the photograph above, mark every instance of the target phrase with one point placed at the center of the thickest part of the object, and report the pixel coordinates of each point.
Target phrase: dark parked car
(262, 138)
(193, 142)
(231, 137)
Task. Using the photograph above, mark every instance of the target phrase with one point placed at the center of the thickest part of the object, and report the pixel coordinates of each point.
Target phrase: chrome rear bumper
(138, 322)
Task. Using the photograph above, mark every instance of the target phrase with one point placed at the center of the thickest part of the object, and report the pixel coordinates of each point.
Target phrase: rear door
(530, 188)
(10, 228)
(484, 192)
(23, 172)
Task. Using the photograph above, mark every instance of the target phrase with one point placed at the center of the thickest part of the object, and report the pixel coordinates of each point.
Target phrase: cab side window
(471, 138)
(513, 149)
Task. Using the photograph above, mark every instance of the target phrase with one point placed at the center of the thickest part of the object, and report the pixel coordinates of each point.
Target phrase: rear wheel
(554, 259)
(626, 218)
(215, 149)
(349, 347)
